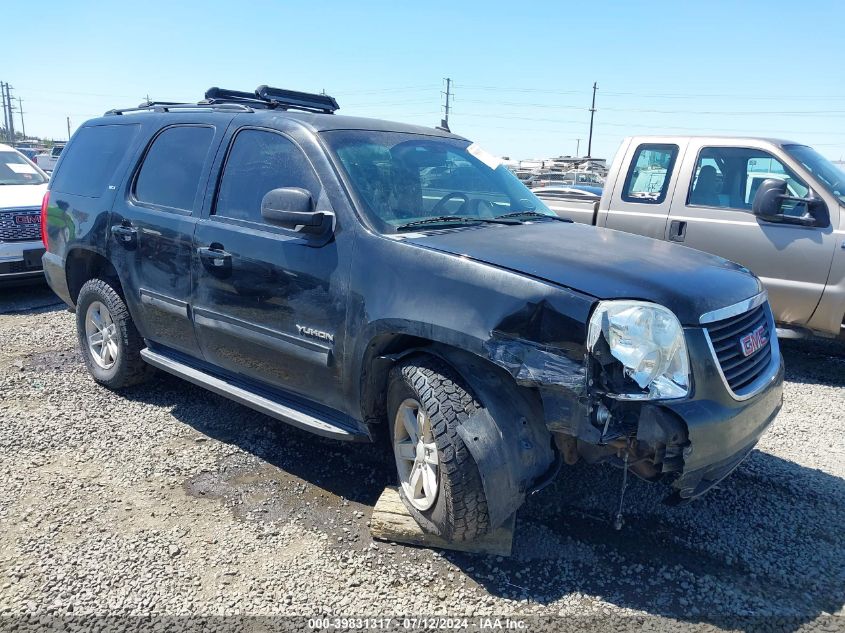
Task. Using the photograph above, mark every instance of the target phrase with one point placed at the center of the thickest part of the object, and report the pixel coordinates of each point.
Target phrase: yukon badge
(753, 341)
(304, 330)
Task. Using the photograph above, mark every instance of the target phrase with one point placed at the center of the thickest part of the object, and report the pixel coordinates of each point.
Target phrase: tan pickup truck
(776, 207)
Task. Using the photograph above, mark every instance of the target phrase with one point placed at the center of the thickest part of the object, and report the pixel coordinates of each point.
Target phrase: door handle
(677, 230)
(125, 232)
(215, 257)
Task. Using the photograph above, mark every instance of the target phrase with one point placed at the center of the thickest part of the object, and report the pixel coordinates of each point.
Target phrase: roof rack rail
(167, 106)
(269, 97)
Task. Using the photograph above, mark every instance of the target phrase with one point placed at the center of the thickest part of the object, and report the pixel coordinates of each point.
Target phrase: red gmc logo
(27, 219)
(753, 341)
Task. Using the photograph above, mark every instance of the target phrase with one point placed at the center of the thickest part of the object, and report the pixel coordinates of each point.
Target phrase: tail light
(44, 204)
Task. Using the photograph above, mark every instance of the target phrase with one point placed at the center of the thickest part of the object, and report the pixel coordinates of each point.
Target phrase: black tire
(459, 512)
(128, 368)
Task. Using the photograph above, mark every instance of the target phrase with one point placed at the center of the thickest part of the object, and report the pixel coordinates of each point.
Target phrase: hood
(12, 196)
(604, 263)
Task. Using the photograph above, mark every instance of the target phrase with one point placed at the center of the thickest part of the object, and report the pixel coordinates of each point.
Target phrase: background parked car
(29, 152)
(47, 160)
(22, 188)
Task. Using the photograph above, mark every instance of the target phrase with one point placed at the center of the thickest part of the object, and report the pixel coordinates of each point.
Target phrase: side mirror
(769, 199)
(292, 208)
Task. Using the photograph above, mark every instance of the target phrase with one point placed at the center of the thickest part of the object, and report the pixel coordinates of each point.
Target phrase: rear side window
(649, 175)
(170, 174)
(258, 162)
(90, 161)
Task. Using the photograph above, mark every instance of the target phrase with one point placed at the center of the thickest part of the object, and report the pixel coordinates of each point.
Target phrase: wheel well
(376, 366)
(82, 265)
(375, 369)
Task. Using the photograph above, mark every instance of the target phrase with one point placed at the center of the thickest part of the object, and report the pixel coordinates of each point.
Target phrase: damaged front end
(627, 395)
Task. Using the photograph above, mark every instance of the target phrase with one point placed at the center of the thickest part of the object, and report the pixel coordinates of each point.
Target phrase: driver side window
(729, 177)
(260, 161)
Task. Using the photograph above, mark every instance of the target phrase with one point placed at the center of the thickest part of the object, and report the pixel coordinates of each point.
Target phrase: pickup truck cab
(369, 280)
(710, 193)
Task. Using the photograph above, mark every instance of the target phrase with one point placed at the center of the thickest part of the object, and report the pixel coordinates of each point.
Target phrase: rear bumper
(54, 271)
(20, 261)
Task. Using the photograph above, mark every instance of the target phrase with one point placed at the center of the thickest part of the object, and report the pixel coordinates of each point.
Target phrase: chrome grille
(13, 230)
(741, 371)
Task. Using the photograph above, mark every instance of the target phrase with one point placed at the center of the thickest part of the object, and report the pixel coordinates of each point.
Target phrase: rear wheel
(439, 481)
(110, 344)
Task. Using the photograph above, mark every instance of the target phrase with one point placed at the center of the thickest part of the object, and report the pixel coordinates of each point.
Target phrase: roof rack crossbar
(269, 97)
(263, 97)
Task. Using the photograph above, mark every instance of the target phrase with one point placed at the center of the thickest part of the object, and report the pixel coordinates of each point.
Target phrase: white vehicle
(22, 188)
(47, 161)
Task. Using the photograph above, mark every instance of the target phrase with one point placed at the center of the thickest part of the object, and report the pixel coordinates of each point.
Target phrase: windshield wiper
(530, 214)
(452, 219)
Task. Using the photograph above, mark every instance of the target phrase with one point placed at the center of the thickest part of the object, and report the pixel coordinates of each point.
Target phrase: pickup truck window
(260, 161)
(403, 178)
(648, 178)
(729, 177)
(170, 174)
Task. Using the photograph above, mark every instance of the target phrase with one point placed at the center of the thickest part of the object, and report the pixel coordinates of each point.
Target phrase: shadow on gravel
(765, 545)
(282, 466)
(33, 298)
(815, 361)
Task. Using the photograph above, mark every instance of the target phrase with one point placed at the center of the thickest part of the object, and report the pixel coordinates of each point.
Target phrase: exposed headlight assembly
(648, 340)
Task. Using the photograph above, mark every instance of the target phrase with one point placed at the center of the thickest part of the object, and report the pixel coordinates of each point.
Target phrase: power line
(667, 95)
(562, 106)
(634, 125)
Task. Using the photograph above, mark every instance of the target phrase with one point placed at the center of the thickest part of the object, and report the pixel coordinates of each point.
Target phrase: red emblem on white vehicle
(27, 219)
(753, 341)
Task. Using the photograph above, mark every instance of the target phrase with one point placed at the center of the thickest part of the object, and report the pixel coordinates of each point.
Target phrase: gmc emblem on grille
(27, 219)
(753, 341)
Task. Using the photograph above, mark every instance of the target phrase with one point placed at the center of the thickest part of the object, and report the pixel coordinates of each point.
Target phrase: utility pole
(577, 147)
(5, 111)
(445, 122)
(20, 111)
(592, 115)
(68, 128)
(10, 123)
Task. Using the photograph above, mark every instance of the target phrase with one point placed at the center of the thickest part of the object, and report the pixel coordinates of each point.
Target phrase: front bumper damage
(692, 443)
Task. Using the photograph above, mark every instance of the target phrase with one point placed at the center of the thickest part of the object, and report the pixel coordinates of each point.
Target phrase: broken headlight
(648, 340)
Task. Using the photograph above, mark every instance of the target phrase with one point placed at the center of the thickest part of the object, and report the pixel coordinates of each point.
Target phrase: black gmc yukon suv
(363, 279)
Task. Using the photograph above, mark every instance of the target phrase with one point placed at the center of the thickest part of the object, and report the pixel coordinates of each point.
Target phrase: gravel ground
(170, 501)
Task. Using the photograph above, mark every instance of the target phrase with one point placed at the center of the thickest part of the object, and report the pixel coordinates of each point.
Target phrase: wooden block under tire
(391, 521)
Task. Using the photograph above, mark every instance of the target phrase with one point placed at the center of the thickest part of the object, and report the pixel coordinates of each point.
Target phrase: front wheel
(110, 344)
(439, 481)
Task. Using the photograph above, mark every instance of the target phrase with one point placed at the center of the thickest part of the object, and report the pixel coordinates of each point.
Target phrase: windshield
(830, 176)
(16, 170)
(410, 180)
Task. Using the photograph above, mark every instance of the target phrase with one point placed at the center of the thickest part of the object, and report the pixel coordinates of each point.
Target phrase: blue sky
(522, 71)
